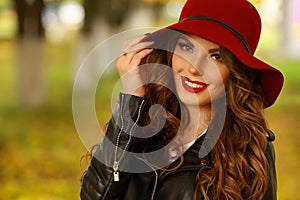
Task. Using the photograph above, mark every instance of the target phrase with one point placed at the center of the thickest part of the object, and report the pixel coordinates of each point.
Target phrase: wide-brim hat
(234, 25)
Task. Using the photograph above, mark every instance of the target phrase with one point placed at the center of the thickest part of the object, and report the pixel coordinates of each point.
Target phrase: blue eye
(217, 57)
(185, 47)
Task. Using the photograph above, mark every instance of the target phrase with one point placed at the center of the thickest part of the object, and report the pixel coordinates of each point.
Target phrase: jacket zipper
(155, 183)
(156, 178)
(116, 162)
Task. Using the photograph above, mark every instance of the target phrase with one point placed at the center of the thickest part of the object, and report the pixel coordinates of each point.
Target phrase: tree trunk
(30, 53)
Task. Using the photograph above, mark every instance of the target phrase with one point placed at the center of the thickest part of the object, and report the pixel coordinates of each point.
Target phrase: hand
(127, 65)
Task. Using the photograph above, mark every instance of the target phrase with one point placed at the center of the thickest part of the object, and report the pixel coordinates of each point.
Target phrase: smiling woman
(201, 70)
(212, 140)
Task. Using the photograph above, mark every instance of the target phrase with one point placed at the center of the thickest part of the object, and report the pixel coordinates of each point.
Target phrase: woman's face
(201, 75)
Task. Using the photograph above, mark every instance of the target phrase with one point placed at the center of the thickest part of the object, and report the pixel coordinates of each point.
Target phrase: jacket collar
(192, 161)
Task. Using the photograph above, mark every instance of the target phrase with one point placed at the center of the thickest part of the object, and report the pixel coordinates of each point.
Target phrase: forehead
(196, 40)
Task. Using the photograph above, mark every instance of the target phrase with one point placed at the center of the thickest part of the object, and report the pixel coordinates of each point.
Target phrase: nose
(199, 65)
(193, 70)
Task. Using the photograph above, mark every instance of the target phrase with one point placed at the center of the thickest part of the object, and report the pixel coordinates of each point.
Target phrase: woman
(211, 141)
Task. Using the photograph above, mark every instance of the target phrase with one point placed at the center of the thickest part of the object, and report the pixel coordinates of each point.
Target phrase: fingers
(138, 57)
(134, 52)
(130, 74)
(135, 44)
(131, 60)
(135, 58)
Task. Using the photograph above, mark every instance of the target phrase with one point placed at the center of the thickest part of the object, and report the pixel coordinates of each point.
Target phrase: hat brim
(271, 79)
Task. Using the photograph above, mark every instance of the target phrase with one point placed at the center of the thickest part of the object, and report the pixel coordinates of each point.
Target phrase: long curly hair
(239, 169)
(240, 173)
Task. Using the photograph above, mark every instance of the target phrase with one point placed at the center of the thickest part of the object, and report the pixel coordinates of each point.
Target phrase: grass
(40, 148)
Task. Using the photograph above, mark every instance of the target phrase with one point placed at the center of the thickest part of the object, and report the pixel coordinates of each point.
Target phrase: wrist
(139, 92)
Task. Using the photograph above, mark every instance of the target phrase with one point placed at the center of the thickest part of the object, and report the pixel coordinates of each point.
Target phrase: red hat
(233, 24)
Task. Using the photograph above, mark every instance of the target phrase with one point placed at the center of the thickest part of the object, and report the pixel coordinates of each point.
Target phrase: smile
(193, 86)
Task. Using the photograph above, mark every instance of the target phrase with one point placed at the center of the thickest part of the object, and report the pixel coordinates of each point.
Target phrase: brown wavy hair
(241, 172)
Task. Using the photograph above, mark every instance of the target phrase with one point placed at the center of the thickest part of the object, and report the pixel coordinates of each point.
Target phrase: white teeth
(193, 85)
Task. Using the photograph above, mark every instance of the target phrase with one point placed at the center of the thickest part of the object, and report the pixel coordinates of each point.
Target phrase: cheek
(219, 75)
(225, 74)
(177, 63)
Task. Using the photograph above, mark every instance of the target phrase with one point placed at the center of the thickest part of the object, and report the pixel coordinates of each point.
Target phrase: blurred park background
(43, 43)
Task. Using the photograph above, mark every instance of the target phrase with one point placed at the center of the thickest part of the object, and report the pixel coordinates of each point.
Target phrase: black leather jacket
(98, 180)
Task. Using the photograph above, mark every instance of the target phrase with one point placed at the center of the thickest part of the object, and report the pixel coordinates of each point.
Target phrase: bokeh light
(62, 20)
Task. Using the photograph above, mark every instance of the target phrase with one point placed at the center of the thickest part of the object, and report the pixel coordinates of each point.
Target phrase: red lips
(193, 86)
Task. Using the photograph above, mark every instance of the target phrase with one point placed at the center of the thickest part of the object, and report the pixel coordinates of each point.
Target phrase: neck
(200, 118)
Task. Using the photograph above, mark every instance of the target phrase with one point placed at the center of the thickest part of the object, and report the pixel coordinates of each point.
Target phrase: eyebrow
(187, 40)
(214, 50)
